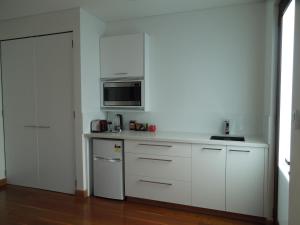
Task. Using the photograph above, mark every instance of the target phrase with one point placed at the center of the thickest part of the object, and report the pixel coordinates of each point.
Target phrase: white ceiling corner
(111, 10)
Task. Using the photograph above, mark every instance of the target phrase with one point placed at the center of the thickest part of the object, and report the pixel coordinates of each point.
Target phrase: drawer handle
(107, 159)
(233, 150)
(153, 159)
(166, 146)
(213, 149)
(155, 182)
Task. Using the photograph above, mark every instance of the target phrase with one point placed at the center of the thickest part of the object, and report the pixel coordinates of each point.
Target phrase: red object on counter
(152, 128)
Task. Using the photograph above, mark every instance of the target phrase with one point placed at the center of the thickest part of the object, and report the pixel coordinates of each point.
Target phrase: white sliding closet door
(18, 72)
(55, 113)
(38, 112)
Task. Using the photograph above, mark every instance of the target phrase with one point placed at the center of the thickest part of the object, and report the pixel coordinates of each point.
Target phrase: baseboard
(246, 218)
(3, 183)
(81, 194)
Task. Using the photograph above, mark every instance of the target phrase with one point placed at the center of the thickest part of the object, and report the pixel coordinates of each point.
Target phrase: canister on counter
(132, 125)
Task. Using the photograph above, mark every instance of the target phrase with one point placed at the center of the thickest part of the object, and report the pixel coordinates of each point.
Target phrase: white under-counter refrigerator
(108, 169)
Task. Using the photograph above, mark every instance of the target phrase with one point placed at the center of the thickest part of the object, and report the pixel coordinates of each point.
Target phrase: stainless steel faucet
(226, 127)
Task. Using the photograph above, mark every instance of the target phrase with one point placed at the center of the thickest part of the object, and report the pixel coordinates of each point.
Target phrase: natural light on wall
(286, 91)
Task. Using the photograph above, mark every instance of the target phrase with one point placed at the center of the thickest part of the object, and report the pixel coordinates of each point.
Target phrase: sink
(228, 138)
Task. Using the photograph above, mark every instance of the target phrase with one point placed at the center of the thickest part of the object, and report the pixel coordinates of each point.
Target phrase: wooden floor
(27, 206)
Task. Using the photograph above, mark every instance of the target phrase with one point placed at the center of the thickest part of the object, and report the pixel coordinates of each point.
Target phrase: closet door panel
(18, 76)
(55, 113)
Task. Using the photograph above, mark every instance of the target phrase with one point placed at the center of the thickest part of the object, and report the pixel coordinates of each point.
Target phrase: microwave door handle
(120, 73)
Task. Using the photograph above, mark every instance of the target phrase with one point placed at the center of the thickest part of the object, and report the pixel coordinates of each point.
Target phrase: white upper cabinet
(245, 180)
(208, 176)
(124, 56)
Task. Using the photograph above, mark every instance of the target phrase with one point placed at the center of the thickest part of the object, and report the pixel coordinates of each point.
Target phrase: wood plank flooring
(26, 206)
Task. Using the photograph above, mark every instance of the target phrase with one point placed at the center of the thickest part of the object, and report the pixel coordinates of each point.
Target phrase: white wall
(205, 66)
(2, 153)
(270, 93)
(91, 28)
(294, 216)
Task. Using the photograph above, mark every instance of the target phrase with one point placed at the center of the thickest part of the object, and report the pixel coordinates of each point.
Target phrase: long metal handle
(154, 159)
(107, 159)
(213, 149)
(33, 126)
(120, 73)
(234, 150)
(30, 126)
(166, 146)
(287, 162)
(43, 127)
(155, 182)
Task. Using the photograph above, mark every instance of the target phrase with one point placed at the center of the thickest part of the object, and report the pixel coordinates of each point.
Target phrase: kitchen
(196, 69)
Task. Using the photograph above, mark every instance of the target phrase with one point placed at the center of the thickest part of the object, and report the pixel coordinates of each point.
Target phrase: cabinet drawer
(165, 190)
(158, 166)
(159, 148)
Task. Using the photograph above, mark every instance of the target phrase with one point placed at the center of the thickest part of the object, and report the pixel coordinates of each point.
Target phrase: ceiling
(111, 10)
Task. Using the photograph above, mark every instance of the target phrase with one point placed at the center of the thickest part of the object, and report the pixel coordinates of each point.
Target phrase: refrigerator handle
(107, 159)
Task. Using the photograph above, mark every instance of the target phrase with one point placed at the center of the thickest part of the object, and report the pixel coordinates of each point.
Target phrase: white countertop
(181, 137)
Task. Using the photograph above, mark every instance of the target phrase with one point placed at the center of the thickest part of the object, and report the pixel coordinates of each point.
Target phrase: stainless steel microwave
(122, 94)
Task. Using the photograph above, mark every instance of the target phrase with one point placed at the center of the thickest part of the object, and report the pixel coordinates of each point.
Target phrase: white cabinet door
(55, 113)
(122, 56)
(208, 176)
(19, 111)
(245, 180)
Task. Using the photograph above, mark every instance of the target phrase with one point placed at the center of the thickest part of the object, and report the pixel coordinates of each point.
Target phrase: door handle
(213, 149)
(107, 159)
(235, 150)
(287, 162)
(33, 126)
(30, 126)
(120, 73)
(43, 127)
(296, 119)
(154, 159)
(154, 145)
(155, 182)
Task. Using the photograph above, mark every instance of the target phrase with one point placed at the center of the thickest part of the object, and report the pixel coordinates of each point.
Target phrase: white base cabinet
(208, 176)
(158, 171)
(245, 180)
(219, 177)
